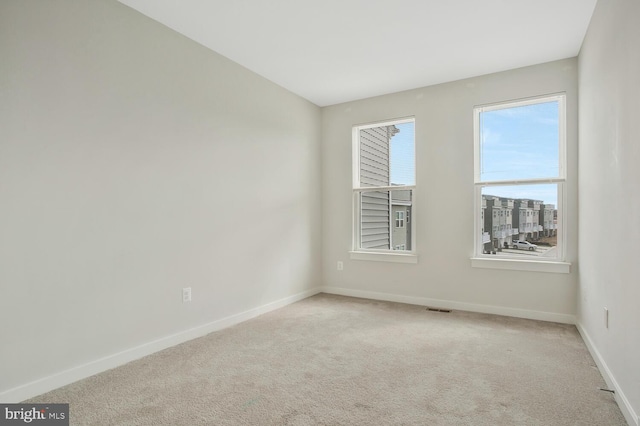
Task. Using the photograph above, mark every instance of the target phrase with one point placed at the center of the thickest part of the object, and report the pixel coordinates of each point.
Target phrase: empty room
(319, 213)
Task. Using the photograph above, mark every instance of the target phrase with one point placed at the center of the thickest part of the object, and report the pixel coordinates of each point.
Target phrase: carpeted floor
(332, 360)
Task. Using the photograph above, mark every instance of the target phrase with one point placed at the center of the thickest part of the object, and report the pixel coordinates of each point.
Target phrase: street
(542, 251)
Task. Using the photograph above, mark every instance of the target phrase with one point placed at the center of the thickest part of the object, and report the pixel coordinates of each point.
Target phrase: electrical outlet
(340, 265)
(606, 318)
(186, 294)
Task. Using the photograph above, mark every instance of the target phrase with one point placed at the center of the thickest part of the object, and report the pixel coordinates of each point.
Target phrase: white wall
(444, 145)
(135, 162)
(610, 195)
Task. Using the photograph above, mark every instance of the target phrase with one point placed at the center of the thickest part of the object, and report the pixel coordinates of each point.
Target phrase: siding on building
(374, 155)
(547, 219)
(498, 221)
(521, 219)
(401, 202)
(375, 220)
(374, 171)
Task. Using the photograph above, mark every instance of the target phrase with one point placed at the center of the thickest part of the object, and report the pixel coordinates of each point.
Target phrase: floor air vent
(438, 310)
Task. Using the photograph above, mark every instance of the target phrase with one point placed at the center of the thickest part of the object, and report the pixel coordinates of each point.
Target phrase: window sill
(521, 265)
(384, 257)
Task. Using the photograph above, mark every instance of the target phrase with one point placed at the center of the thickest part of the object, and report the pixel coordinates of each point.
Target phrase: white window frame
(399, 219)
(390, 255)
(539, 264)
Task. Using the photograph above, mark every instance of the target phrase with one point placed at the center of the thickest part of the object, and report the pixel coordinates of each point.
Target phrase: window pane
(402, 155)
(524, 222)
(387, 155)
(382, 220)
(520, 142)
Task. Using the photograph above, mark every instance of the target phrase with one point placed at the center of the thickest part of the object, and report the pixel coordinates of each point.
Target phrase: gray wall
(444, 157)
(610, 193)
(135, 162)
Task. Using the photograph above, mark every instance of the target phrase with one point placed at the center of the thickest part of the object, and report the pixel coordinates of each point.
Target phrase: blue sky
(521, 143)
(402, 155)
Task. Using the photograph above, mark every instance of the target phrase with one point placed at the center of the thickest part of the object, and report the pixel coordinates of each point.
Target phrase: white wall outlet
(340, 265)
(606, 318)
(186, 294)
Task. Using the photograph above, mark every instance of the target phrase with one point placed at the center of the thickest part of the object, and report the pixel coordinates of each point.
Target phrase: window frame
(557, 263)
(389, 255)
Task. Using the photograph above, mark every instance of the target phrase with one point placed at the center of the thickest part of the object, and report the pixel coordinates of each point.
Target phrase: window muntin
(520, 173)
(383, 186)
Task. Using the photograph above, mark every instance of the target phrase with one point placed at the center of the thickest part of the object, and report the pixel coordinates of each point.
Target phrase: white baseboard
(626, 408)
(46, 384)
(450, 304)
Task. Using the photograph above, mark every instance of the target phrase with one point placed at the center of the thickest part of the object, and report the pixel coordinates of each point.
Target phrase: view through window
(384, 184)
(519, 177)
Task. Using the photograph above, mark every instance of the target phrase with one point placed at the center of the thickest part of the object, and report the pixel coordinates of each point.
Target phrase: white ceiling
(333, 51)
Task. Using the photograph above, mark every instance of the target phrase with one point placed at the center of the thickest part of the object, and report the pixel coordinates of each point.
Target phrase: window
(384, 187)
(520, 165)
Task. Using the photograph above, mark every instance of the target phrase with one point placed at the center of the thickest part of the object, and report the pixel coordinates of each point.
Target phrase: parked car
(524, 245)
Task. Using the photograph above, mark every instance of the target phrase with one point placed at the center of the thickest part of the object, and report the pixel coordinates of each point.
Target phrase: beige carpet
(331, 360)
